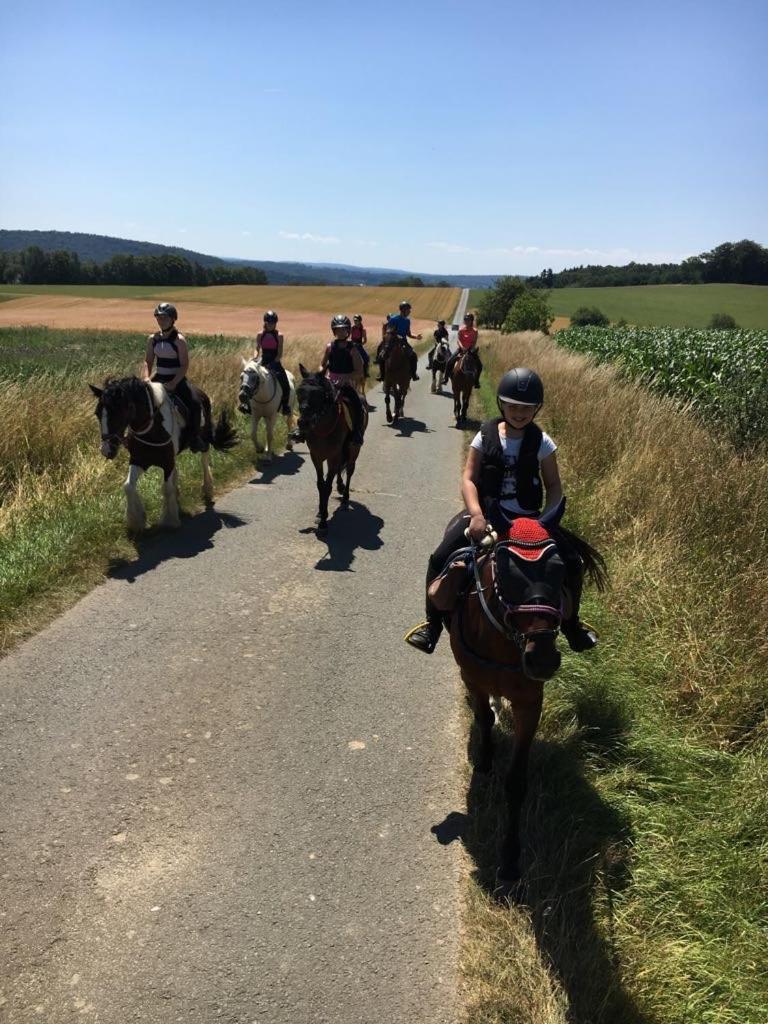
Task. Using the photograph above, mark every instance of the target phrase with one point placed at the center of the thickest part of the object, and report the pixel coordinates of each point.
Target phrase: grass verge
(645, 829)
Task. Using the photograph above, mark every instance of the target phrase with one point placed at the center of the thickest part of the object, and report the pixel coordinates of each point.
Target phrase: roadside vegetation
(722, 375)
(647, 819)
(62, 509)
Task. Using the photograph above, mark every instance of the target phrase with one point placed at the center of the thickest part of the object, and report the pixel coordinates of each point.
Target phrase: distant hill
(100, 248)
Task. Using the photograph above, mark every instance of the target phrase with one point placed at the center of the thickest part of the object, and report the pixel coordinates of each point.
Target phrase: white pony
(261, 392)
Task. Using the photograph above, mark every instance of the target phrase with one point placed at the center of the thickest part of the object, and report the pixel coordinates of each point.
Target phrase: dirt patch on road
(136, 315)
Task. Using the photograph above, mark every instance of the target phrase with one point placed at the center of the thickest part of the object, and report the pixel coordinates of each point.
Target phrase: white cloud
(246, 234)
(620, 255)
(307, 236)
(448, 247)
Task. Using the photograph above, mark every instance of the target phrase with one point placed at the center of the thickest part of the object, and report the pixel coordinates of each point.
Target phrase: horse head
(250, 378)
(528, 576)
(315, 396)
(122, 403)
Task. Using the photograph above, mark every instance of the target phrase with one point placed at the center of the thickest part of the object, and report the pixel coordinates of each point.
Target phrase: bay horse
(397, 376)
(326, 423)
(261, 394)
(504, 618)
(439, 363)
(141, 416)
(464, 373)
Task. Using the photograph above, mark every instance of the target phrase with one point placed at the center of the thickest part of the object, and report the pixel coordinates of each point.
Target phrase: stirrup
(422, 633)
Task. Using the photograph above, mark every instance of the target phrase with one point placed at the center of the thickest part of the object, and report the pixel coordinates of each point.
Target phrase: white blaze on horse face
(105, 450)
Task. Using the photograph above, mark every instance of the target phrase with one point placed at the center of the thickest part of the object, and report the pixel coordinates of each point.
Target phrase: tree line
(34, 266)
(743, 262)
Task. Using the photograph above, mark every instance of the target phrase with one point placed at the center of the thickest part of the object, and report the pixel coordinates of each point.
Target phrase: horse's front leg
(136, 517)
(270, 422)
(526, 720)
(255, 431)
(483, 723)
(171, 500)
(386, 402)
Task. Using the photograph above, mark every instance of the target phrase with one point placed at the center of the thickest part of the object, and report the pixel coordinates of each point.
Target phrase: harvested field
(194, 317)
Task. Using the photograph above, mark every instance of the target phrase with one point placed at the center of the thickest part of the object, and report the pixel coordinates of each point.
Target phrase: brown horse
(141, 416)
(463, 376)
(504, 625)
(325, 421)
(397, 376)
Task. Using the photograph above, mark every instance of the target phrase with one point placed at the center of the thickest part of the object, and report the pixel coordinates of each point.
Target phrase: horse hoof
(322, 529)
(289, 446)
(267, 457)
(389, 417)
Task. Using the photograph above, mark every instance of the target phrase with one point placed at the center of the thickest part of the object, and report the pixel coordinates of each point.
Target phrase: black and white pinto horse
(261, 393)
(439, 364)
(141, 416)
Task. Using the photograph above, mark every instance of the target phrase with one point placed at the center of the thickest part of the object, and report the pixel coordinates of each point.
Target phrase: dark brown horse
(504, 627)
(142, 417)
(397, 376)
(325, 421)
(463, 376)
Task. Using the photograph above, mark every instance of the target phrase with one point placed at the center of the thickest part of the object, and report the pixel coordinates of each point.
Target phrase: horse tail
(224, 434)
(594, 563)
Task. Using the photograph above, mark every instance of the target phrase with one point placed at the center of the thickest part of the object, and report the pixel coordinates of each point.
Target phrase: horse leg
(255, 431)
(345, 493)
(386, 402)
(207, 478)
(324, 486)
(526, 720)
(270, 422)
(171, 501)
(289, 425)
(483, 723)
(136, 517)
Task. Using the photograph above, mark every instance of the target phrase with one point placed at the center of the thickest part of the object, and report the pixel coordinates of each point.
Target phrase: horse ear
(243, 360)
(97, 391)
(303, 371)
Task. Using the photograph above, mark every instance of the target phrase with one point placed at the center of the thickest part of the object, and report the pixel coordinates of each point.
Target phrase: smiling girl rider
(510, 469)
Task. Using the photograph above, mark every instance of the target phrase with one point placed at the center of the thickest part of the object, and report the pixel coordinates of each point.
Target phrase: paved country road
(220, 769)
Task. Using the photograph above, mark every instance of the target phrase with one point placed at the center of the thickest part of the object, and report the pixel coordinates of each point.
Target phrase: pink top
(269, 342)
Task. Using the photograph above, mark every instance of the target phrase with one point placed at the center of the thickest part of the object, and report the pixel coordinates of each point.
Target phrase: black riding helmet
(340, 320)
(405, 304)
(270, 316)
(441, 323)
(166, 309)
(520, 385)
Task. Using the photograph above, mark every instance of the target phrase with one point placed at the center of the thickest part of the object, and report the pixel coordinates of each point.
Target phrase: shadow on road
(576, 856)
(349, 529)
(408, 426)
(159, 545)
(286, 464)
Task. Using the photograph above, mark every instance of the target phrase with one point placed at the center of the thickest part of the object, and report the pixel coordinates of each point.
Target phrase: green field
(671, 305)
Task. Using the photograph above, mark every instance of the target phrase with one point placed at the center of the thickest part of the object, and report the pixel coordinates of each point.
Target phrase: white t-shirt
(511, 448)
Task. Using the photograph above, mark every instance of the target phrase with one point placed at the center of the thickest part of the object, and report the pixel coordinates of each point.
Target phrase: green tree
(722, 322)
(496, 302)
(529, 312)
(589, 316)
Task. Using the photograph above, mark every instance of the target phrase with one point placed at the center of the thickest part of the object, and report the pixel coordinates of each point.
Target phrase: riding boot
(477, 382)
(356, 437)
(381, 369)
(430, 358)
(197, 441)
(580, 636)
(425, 636)
(282, 379)
(414, 364)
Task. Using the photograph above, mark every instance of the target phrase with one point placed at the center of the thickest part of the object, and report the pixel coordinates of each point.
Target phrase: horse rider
(440, 334)
(342, 365)
(402, 328)
(467, 343)
(511, 470)
(269, 346)
(168, 348)
(359, 338)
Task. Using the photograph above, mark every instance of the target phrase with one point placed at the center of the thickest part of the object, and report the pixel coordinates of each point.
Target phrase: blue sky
(498, 138)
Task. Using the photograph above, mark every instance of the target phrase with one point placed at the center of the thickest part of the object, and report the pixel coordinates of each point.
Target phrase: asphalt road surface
(220, 770)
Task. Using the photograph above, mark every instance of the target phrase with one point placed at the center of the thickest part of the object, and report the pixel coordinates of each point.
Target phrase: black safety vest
(167, 368)
(340, 359)
(530, 492)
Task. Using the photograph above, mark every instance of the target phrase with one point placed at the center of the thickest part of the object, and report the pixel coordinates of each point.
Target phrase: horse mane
(594, 563)
(128, 389)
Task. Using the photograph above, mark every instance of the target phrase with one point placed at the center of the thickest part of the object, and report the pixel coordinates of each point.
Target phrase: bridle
(249, 390)
(311, 421)
(119, 439)
(519, 637)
